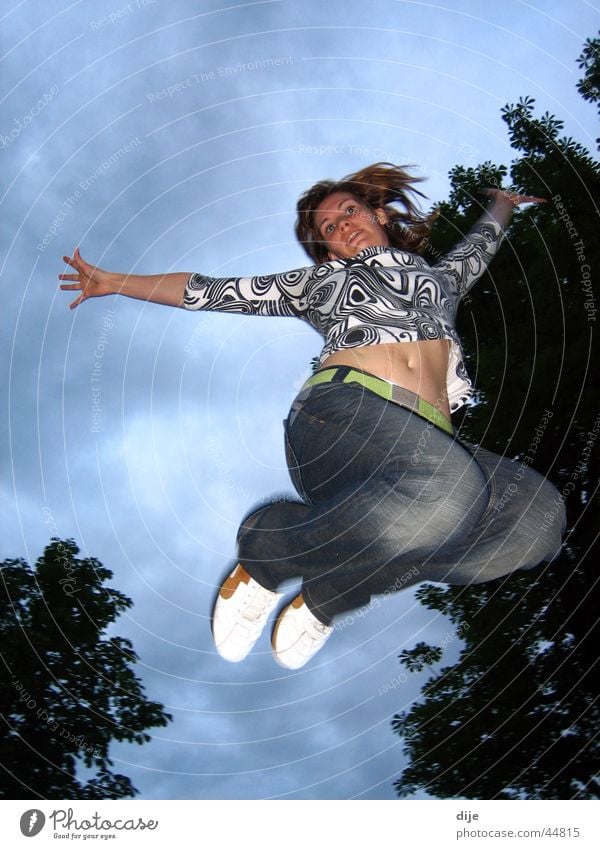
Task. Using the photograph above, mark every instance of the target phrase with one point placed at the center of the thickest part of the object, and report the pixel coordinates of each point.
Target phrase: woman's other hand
(509, 197)
(504, 203)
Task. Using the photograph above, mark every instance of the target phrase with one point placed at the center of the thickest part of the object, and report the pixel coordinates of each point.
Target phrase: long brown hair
(377, 186)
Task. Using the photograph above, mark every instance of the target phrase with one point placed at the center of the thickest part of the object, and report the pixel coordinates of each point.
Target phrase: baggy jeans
(390, 500)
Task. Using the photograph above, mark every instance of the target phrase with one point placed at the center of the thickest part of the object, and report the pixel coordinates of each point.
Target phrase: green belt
(387, 391)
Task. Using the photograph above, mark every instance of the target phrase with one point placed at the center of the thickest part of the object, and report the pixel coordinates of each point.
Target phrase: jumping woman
(390, 496)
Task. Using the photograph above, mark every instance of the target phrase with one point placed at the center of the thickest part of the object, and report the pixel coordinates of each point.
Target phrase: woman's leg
(523, 525)
(387, 490)
(394, 501)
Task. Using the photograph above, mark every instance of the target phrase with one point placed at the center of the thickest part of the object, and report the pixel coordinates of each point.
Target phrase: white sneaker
(297, 635)
(240, 614)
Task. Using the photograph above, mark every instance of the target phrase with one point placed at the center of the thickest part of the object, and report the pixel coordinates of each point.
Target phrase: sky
(176, 136)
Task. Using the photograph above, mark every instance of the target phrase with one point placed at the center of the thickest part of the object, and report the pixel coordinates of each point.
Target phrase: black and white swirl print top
(380, 295)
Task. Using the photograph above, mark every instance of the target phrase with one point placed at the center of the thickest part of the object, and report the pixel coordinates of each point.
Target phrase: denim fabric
(390, 500)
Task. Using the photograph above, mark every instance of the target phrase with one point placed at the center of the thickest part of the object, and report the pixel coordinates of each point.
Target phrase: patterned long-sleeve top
(380, 295)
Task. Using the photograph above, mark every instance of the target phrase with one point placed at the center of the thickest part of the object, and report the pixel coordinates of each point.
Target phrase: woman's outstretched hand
(504, 202)
(90, 280)
(512, 198)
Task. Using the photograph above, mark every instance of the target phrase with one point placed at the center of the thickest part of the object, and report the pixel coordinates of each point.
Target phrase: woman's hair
(377, 186)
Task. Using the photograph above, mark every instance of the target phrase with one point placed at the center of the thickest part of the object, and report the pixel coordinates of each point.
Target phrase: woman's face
(347, 225)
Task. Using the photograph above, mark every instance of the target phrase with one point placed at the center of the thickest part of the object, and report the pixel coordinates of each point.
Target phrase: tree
(517, 715)
(589, 61)
(69, 689)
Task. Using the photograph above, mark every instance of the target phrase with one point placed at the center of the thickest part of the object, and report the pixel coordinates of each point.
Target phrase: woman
(390, 496)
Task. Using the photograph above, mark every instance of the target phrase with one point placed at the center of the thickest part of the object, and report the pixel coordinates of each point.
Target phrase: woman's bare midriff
(420, 367)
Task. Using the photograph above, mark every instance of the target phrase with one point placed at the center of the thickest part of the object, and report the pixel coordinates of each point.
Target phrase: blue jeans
(390, 500)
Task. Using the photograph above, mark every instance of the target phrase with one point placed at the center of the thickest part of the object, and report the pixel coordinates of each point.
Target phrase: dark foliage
(68, 690)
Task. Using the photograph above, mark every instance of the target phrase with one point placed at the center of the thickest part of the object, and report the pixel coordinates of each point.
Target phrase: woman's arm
(271, 294)
(94, 282)
(467, 261)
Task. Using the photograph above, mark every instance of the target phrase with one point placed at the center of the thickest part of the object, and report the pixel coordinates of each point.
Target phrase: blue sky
(177, 136)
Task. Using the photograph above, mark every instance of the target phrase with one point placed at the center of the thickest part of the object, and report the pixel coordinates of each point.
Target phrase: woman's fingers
(76, 302)
(514, 197)
(532, 199)
(517, 200)
(77, 285)
(77, 261)
(79, 265)
(81, 279)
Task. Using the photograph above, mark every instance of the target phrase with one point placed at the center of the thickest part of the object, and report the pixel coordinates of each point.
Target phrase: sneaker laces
(316, 630)
(256, 607)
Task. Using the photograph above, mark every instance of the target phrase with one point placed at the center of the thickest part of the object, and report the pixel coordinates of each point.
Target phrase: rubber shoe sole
(240, 614)
(297, 635)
